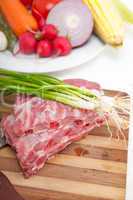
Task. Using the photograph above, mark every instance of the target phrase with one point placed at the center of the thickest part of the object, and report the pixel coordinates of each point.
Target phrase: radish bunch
(45, 43)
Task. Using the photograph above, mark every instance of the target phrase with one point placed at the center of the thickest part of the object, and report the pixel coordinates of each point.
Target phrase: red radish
(49, 32)
(27, 3)
(40, 19)
(44, 48)
(62, 46)
(27, 43)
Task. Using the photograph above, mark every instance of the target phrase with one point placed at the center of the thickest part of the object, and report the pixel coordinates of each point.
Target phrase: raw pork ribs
(38, 129)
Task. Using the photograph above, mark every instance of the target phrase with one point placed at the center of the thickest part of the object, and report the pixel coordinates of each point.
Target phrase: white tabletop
(113, 69)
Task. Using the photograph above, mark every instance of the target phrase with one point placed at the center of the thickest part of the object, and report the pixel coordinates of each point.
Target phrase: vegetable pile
(54, 27)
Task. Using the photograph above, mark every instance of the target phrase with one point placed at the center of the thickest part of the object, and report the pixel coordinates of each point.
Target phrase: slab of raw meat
(38, 129)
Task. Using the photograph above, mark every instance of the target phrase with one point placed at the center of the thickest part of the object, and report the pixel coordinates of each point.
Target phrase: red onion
(73, 19)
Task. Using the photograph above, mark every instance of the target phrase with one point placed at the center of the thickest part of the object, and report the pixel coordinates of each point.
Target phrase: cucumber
(11, 37)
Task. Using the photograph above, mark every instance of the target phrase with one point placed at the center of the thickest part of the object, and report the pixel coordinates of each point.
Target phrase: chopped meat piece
(38, 129)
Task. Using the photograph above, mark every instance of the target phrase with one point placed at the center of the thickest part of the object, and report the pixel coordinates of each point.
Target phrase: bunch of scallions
(50, 88)
(46, 87)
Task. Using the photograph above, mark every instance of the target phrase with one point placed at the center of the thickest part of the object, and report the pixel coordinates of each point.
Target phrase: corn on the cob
(109, 25)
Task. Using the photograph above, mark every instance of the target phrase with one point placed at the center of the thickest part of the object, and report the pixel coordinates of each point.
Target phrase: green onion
(47, 87)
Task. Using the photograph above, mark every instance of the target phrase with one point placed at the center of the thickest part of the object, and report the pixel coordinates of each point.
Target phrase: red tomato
(44, 6)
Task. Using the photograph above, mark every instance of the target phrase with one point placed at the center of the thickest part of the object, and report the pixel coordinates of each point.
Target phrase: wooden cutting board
(92, 169)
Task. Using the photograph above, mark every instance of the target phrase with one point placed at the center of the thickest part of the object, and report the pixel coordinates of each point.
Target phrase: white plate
(78, 56)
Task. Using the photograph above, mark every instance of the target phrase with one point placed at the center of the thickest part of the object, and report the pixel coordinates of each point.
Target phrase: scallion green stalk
(46, 87)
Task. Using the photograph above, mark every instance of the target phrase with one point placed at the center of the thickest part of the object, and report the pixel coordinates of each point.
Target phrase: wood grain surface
(93, 168)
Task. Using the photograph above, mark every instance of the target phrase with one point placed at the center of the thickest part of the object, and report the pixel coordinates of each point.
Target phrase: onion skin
(72, 20)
